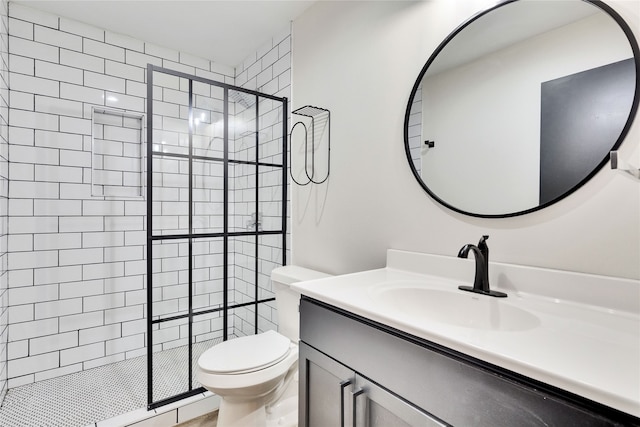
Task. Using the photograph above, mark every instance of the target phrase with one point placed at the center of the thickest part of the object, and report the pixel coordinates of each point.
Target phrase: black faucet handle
(482, 245)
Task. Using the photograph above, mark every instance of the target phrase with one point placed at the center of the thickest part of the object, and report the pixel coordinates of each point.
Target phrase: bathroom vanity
(526, 360)
(403, 345)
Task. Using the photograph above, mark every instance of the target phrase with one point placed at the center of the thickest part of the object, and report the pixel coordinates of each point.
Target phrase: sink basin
(452, 307)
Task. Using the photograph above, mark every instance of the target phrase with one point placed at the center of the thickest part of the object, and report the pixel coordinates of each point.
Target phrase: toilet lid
(245, 354)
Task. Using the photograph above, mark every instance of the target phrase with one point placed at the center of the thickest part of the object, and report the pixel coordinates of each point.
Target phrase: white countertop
(588, 345)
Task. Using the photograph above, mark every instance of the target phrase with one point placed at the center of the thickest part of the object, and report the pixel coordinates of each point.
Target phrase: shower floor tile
(97, 394)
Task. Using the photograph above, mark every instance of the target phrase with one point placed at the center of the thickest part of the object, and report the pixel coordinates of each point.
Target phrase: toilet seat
(245, 354)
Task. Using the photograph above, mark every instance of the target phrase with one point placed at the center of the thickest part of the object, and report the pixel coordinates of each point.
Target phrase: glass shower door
(216, 203)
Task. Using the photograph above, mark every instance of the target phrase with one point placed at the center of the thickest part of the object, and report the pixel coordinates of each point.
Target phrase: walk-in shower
(74, 302)
(216, 208)
(216, 220)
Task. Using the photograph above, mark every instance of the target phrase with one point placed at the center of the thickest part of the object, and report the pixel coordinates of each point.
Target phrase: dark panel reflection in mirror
(580, 115)
(479, 97)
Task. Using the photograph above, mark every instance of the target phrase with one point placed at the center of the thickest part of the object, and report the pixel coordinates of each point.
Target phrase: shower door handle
(344, 384)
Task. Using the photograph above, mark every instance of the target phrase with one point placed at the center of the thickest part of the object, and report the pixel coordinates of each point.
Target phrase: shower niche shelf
(319, 121)
(117, 154)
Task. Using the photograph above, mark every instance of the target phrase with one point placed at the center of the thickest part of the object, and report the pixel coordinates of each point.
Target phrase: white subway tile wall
(73, 296)
(4, 197)
(268, 71)
(415, 130)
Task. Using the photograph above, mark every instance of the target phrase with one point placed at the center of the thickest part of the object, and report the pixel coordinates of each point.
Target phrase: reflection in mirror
(521, 105)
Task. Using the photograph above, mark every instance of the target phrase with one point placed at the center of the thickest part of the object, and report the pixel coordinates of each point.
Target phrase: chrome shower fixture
(242, 98)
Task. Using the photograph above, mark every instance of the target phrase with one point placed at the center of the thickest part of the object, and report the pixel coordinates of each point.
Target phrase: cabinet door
(325, 390)
(376, 407)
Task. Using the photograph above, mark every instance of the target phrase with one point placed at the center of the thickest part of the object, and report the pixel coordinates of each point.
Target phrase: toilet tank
(288, 300)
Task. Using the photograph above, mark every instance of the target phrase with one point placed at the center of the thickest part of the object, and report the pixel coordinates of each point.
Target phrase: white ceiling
(225, 31)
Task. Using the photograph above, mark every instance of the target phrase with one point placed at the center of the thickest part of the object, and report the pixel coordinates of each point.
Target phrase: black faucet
(481, 281)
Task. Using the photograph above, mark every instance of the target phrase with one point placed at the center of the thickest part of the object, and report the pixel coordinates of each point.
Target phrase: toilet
(256, 376)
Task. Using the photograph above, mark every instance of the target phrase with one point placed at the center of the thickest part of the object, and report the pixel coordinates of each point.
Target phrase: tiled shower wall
(4, 190)
(170, 207)
(415, 130)
(268, 70)
(76, 262)
(77, 267)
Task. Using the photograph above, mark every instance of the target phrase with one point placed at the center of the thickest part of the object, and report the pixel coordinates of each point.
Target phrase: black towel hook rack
(315, 114)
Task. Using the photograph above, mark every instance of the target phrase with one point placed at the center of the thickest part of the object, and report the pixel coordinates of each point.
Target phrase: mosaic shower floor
(86, 397)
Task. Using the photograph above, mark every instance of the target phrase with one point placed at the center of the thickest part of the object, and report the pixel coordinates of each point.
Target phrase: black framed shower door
(216, 220)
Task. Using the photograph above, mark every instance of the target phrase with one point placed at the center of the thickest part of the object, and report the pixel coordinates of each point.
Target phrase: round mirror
(521, 105)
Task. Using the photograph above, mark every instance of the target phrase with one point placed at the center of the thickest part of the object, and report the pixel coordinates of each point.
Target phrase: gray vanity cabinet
(350, 365)
(337, 396)
(325, 385)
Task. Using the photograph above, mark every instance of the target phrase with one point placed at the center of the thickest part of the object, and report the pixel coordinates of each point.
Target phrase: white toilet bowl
(256, 376)
(251, 375)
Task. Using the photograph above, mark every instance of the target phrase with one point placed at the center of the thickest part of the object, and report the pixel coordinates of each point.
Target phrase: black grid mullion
(225, 220)
(149, 235)
(214, 159)
(205, 80)
(209, 311)
(190, 261)
(209, 235)
(257, 202)
(285, 118)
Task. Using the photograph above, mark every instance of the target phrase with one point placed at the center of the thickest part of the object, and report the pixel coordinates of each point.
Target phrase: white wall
(363, 69)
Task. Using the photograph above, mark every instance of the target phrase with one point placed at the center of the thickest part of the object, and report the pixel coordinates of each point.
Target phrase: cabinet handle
(344, 384)
(355, 395)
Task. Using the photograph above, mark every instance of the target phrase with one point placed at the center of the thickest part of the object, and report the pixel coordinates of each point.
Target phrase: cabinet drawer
(453, 387)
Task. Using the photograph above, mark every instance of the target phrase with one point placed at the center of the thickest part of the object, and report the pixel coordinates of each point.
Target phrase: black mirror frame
(634, 108)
